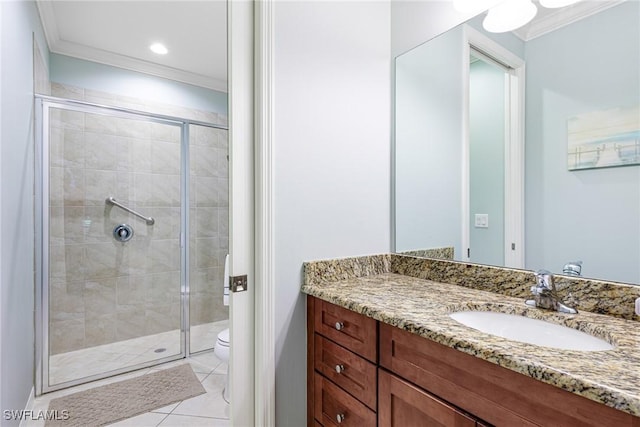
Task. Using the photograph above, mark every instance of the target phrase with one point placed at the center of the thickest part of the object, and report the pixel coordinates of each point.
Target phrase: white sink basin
(531, 331)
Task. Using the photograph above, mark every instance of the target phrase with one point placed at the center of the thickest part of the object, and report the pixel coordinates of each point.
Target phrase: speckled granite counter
(423, 306)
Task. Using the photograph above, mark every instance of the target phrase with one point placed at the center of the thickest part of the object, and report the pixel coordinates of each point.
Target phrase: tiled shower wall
(103, 291)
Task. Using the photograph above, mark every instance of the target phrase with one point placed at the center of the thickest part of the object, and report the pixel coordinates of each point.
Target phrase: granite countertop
(423, 306)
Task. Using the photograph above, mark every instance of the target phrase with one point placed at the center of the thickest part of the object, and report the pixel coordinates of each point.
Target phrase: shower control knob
(340, 418)
(123, 233)
(339, 369)
(339, 326)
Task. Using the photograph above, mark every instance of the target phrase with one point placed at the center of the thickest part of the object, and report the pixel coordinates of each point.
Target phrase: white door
(241, 208)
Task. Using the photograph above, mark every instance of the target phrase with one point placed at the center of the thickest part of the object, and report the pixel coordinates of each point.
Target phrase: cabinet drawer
(351, 372)
(348, 328)
(335, 407)
(403, 405)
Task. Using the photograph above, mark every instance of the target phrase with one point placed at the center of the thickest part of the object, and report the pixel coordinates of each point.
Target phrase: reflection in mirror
(585, 72)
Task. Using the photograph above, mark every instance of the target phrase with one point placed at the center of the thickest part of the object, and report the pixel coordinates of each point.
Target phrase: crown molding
(563, 17)
(62, 47)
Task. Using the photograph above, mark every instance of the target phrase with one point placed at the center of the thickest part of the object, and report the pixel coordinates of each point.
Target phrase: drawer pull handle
(340, 418)
(339, 369)
(339, 326)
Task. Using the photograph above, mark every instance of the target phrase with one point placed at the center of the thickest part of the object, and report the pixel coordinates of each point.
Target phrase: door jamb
(514, 149)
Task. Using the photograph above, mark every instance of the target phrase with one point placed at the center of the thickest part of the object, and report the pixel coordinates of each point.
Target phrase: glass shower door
(113, 281)
(208, 236)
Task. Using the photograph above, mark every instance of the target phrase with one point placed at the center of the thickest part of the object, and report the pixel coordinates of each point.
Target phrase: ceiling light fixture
(509, 15)
(552, 4)
(159, 48)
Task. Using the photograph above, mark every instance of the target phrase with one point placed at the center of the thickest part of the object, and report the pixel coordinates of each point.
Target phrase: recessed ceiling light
(159, 48)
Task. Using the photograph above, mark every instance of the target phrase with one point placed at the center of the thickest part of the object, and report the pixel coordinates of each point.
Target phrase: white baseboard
(30, 405)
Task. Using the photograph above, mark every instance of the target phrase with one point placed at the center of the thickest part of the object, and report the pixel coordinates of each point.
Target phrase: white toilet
(221, 351)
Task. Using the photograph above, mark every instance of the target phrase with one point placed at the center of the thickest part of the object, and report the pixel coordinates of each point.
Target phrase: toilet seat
(223, 338)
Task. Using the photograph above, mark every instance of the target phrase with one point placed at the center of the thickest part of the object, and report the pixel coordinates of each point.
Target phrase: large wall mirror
(523, 151)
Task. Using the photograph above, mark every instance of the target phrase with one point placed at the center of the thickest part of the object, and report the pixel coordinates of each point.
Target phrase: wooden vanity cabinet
(497, 395)
(391, 377)
(342, 371)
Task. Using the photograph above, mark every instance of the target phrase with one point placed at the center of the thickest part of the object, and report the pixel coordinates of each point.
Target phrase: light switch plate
(482, 221)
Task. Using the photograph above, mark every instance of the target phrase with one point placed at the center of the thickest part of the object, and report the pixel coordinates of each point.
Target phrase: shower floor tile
(122, 354)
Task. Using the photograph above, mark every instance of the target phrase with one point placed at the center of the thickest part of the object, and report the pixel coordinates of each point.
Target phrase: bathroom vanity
(383, 350)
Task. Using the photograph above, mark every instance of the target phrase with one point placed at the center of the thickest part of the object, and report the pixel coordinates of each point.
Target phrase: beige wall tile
(100, 330)
(165, 158)
(100, 297)
(163, 289)
(166, 133)
(66, 335)
(130, 322)
(67, 263)
(130, 291)
(66, 225)
(162, 318)
(206, 193)
(66, 301)
(167, 225)
(97, 223)
(99, 184)
(66, 91)
(204, 161)
(99, 97)
(66, 147)
(101, 151)
(165, 190)
(165, 255)
(133, 128)
(138, 254)
(140, 152)
(206, 253)
(74, 187)
(101, 124)
(105, 260)
(207, 222)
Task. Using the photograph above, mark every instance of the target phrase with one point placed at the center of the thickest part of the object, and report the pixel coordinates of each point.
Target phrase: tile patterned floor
(205, 410)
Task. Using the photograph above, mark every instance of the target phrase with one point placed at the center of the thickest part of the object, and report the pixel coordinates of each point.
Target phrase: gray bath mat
(117, 401)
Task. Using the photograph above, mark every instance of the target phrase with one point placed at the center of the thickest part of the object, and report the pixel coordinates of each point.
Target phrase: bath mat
(117, 401)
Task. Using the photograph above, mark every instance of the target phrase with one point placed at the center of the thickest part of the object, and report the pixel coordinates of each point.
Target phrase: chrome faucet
(545, 294)
(572, 268)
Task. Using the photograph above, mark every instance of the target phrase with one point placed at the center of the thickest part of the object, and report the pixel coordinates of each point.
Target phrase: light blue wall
(486, 161)
(19, 20)
(590, 215)
(428, 140)
(105, 78)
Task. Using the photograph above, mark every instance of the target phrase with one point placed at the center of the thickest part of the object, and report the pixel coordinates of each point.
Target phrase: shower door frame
(42, 199)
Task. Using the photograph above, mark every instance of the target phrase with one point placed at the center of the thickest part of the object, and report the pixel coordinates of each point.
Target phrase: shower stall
(132, 214)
